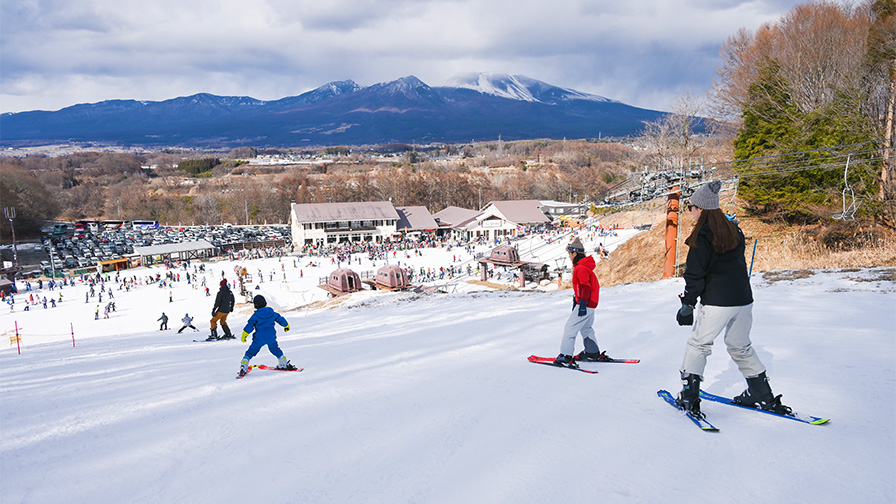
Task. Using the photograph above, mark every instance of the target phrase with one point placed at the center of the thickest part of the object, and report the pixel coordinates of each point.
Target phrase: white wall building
(332, 223)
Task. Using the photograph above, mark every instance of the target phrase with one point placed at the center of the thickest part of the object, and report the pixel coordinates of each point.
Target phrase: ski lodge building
(378, 221)
(497, 219)
(332, 223)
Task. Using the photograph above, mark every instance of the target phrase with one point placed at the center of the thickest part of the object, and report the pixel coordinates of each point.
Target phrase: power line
(646, 185)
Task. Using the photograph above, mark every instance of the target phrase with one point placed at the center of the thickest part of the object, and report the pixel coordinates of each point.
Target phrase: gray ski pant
(575, 325)
(736, 321)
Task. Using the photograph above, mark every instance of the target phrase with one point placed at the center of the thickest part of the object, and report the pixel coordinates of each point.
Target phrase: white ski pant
(575, 325)
(736, 321)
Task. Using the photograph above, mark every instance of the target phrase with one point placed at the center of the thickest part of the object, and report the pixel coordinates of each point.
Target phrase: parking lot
(84, 248)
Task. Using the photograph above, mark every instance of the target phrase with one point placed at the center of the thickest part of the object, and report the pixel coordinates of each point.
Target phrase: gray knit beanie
(707, 196)
(575, 246)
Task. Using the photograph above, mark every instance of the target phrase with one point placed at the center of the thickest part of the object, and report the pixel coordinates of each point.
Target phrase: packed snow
(414, 397)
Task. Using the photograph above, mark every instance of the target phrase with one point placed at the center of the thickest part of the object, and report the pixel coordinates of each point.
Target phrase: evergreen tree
(805, 150)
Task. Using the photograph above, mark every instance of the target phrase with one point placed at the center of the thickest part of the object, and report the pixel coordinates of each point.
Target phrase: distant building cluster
(378, 221)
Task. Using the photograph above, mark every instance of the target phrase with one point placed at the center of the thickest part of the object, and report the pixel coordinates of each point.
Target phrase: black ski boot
(586, 356)
(759, 395)
(592, 357)
(566, 360)
(227, 334)
(689, 397)
(213, 336)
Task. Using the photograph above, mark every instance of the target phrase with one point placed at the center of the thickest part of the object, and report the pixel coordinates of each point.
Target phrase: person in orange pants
(223, 306)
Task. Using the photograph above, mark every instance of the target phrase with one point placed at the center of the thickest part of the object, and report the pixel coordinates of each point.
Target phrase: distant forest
(186, 188)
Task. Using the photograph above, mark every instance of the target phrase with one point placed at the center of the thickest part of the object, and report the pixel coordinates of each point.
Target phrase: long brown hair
(724, 232)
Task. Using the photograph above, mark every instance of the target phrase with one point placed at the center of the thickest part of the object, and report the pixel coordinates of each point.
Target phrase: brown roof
(455, 216)
(415, 218)
(332, 212)
(521, 211)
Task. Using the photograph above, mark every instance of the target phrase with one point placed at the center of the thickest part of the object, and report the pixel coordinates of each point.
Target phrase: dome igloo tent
(342, 281)
(391, 276)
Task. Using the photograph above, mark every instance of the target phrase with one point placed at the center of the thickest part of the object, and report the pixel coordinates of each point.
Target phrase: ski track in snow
(429, 399)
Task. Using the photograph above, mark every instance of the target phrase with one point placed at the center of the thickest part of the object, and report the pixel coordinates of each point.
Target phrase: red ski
(262, 366)
(550, 362)
(535, 358)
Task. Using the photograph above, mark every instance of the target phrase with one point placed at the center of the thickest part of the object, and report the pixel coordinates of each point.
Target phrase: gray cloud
(643, 52)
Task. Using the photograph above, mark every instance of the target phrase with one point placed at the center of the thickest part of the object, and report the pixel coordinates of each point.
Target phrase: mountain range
(472, 107)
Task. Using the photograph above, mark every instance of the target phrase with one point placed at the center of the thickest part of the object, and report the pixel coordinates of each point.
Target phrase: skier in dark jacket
(164, 319)
(716, 273)
(223, 306)
(586, 292)
(262, 322)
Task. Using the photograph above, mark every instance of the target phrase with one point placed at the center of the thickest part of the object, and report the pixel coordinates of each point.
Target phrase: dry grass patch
(786, 275)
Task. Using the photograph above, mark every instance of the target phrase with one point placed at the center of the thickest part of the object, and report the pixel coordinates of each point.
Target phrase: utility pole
(10, 213)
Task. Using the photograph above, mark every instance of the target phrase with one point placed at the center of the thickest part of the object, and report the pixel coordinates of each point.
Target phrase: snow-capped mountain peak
(518, 87)
(493, 83)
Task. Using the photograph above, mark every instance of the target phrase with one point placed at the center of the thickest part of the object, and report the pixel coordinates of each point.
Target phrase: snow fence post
(72, 325)
(18, 339)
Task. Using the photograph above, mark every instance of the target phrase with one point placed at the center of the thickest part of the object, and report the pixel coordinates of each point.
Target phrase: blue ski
(795, 416)
(701, 422)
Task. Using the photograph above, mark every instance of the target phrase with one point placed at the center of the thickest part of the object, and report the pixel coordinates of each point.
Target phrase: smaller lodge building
(496, 220)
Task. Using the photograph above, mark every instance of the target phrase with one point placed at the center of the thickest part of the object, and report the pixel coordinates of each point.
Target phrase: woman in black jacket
(716, 272)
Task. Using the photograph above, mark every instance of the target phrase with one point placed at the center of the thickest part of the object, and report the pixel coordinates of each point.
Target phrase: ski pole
(756, 242)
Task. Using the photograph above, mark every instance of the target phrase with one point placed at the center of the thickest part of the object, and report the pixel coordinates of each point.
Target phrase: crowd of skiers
(717, 298)
(32, 301)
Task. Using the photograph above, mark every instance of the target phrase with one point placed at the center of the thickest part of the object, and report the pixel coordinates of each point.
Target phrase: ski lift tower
(673, 206)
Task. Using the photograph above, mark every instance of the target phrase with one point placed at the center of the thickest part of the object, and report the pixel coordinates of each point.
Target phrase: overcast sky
(56, 53)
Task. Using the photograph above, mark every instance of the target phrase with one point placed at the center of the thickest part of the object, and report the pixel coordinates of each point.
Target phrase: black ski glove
(583, 305)
(685, 315)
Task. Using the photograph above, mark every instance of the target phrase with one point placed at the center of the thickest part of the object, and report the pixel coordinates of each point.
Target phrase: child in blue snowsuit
(262, 322)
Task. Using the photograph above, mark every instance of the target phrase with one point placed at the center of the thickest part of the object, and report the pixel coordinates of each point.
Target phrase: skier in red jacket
(586, 291)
